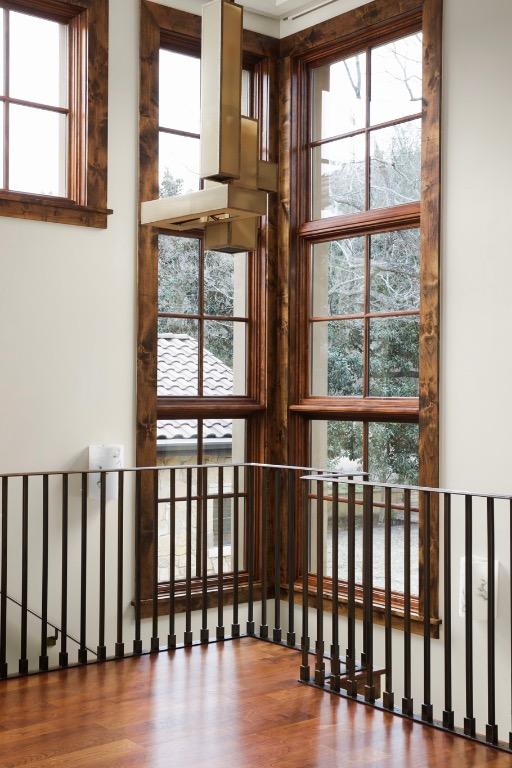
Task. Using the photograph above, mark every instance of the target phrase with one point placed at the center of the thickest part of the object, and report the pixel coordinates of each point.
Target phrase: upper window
(365, 133)
(34, 104)
(49, 154)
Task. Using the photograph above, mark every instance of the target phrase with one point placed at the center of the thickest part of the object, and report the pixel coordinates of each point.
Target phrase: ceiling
(277, 8)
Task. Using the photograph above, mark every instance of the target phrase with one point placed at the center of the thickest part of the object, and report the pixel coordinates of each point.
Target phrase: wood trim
(356, 28)
(207, 407)
(430, 282)
(368, 222)
(161, 25)
(379, 618)
(404, 409)
(88, 119)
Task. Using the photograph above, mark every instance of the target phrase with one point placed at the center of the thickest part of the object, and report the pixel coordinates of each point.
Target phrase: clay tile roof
(177, 377)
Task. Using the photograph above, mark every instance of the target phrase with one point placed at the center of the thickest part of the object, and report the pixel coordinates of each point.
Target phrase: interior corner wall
(68, 304)
(476, 365)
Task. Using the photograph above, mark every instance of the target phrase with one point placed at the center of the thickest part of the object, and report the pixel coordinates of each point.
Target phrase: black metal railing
(409, 658)
(346, 571)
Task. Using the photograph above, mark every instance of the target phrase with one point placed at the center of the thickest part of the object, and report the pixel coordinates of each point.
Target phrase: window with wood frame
(203, 314)
(365, 397)
(53, 110)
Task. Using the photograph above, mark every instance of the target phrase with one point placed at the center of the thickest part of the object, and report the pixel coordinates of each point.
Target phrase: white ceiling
(280, 9)
(276, 8)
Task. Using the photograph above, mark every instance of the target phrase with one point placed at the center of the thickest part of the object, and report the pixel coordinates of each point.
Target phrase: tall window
(53, 111)
(360, 241)
(203, 330)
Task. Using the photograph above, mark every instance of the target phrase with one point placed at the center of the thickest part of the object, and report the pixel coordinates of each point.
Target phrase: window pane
(394, 344)
(397, 79)
(337, 445)
(338, 97)
(395, 271)
(178, 358)
(38, 60)
(337, 359)
(37, 151)
(246, 93)
(224, 358)
(338, 271)
(224, 443)
(176, 447)
(178, 165)
(180, 91)
(178, 274)
(225, 284)
(338, 177)
(393, 453)
(395, 160)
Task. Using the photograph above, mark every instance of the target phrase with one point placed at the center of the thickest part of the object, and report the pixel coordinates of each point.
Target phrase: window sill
(379, 613)
(53, 209)
(196, 596)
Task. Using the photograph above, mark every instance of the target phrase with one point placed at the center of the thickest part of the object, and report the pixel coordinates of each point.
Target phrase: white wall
(67, 304)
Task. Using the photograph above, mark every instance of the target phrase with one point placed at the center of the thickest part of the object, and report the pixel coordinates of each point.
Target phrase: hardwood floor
(224, 706)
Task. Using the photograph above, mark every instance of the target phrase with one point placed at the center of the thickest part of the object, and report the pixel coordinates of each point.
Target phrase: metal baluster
(63, 654)
(235, 627)
(3, 596)
(82, 653)
(205, 632)
(407, 701)
(101, 650)
(137, 643)
(43, 658)
(369, 692)
(250, 551)
(290, 637)
(335, 648)
(188, 639)
(389, 697)
(426, 709)
(171, 639)
(448, 713)
(155, 640)
(351, 592)
(469, 720)
(23, 661)
(264, 551)
(119, 648)
(220, 530)
(277, 634)
(320, 646)
(305, 670)
(491, 731)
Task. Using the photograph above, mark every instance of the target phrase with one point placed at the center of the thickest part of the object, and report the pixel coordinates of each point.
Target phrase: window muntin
(365, 132)
(34, 108)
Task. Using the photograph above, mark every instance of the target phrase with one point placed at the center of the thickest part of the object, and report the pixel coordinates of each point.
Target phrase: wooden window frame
(162, 26)
(375, 23)
(86, 202)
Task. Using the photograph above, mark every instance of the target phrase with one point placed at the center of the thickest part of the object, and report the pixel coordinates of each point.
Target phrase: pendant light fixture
(236, 182)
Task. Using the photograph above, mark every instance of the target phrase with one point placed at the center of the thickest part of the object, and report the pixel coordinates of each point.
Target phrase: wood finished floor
(236, 704)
